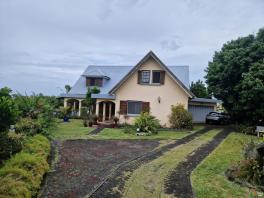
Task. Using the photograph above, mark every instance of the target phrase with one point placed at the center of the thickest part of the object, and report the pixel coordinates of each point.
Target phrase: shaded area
(178, 182)
(117, 179)
(83, 164)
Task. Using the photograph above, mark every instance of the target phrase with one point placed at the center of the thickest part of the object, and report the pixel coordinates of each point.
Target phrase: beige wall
(170, 93)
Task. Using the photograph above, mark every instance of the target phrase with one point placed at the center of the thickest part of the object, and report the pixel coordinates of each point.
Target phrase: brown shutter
(88, 82)
(139, 77)
(145, 107)
(123, 107)
(162, 77)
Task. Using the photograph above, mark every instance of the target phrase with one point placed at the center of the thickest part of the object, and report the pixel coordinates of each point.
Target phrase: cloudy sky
(45, 44)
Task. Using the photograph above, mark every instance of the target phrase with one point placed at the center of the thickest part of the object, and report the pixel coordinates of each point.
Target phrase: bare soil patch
(83, 164)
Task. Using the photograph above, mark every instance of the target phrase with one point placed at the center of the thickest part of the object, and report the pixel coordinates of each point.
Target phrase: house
(125, 91)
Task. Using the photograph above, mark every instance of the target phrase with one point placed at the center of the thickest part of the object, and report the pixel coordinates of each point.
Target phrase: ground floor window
(134, 107)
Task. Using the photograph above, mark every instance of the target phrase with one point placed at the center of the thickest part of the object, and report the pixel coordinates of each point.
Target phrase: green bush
(8, 146)
(147, 123)
(129, 129)
(28, 126)
(25, 170)
(180, 118)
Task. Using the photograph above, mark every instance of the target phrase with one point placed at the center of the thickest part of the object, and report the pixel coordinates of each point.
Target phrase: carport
(199, 107)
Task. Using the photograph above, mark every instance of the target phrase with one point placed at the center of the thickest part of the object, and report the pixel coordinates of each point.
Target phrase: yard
(139, 168)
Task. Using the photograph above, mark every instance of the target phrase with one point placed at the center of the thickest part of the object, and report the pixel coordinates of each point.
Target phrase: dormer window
(91, 81)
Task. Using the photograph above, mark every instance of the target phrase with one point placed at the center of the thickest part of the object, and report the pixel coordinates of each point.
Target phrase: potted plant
(94, 119)
(116, 119)
(65, 111)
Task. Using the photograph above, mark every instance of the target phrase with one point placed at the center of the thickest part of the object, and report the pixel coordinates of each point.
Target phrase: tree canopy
(199, 89)
(236, 76)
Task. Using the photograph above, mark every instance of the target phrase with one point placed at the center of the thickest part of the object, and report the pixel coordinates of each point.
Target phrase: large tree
(236, 77)
(199, 89)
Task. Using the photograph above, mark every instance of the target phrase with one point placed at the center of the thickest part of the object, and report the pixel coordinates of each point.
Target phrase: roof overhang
(103, 96)
(138, 65)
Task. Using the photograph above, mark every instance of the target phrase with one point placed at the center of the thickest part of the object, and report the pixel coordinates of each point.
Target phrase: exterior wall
(170, 94)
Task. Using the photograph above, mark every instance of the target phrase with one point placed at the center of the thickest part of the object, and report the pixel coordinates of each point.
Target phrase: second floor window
(94, 82)
(145, 77)
(156, 77)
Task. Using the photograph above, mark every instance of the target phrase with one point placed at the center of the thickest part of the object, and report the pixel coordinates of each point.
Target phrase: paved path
(114, 179)
(178, 182)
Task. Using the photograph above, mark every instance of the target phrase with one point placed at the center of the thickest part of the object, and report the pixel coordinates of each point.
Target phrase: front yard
(85, 160)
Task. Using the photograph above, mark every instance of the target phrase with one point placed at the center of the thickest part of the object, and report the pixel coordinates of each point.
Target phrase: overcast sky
(47, 44)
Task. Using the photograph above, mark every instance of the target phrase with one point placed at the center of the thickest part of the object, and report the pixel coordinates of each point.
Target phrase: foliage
(242, 128)
(147, 123)
(250, 169)
(28, 126)
(8, 146)
(199, 89)
(8, 109)
(67, 88)
(180, 118)
(129, 129)
(236, 77)
(21, 176)
(90, 102)
(65, 111)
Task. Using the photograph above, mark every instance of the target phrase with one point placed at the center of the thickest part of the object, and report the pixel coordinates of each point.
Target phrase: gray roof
(116, 73)
(205, 100)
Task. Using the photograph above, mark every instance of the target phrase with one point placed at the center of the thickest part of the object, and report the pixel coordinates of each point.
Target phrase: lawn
(148, 180)
(114, 133)
(71, 130)
(208, 179)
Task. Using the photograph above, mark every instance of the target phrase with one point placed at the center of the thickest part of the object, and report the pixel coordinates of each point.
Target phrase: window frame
(134, 101)
(156, 71)
(141, 77)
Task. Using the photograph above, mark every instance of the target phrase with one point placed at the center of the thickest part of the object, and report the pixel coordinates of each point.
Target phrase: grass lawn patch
(114, 133)
(148, 180)
(71, 130)
(208, 179)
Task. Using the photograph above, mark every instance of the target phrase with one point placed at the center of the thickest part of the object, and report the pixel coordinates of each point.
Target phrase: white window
(134, 107)
(145, 77)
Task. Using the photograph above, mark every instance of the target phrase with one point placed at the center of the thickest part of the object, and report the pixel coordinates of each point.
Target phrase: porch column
(65, 102)
(110, 110)
(104, 106)
(97, 108)
(80, 107)
(74, 105)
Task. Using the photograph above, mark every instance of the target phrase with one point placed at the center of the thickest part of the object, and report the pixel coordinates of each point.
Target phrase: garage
(200, 107)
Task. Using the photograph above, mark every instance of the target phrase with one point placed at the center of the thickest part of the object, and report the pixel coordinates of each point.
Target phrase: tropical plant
(67, 88)
(90, 102)
(147, 123)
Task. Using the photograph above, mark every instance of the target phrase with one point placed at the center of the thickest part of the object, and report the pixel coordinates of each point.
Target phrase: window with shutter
(123, 107)
(134, 107)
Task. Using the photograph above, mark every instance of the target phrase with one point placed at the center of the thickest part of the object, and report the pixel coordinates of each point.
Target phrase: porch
(105, 110)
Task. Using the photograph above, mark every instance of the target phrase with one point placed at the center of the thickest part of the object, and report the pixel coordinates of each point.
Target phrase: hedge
(22, 174)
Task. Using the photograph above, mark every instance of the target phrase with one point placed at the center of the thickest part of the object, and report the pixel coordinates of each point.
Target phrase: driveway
(83, 164)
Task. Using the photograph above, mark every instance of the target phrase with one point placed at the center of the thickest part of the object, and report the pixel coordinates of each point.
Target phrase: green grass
(208, 179)
(71, 130)
(162, 135)
(148, 179)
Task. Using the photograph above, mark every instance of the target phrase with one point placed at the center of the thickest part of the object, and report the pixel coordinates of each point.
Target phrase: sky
(45, 44)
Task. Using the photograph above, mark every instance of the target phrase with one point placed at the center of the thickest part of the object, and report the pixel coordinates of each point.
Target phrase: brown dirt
(83, 164)
(178, 182)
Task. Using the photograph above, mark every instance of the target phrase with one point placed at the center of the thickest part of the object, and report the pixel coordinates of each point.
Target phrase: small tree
(199, 89)
(180, 118)
(91, 101)
(67, 88)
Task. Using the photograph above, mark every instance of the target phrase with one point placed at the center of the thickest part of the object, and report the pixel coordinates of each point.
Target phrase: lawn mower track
(178, 182)
(117, 178)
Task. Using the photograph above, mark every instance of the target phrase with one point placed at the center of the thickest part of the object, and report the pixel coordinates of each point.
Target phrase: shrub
(28, 126)
(129, 129)
(8, 109)
(180, 118)
(147, 123)
(242, 128)
(24, 171)
(8, 146)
